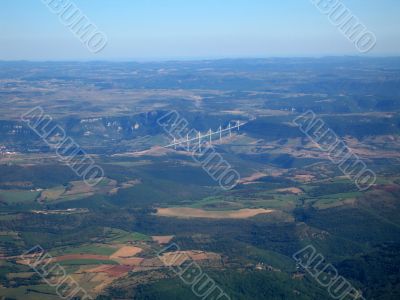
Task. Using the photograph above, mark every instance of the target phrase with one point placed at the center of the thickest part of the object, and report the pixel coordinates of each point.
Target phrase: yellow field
(185, 212)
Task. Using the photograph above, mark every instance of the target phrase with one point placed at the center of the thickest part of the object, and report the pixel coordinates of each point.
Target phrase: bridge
(208, 136)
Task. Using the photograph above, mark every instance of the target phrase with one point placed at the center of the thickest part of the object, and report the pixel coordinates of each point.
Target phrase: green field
(18, 196)
(86, 249)
(42, 292)
(76, 262)
(8, 217)
(120, 236)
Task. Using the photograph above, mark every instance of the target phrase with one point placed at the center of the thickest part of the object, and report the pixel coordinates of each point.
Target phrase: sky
(191, 29)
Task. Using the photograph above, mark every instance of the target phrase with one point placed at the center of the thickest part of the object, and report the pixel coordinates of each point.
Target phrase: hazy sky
(163, 29)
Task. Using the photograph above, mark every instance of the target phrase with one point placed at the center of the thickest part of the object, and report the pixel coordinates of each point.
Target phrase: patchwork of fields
(107, 237)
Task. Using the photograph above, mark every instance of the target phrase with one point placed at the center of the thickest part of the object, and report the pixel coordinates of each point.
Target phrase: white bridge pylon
(209, 136)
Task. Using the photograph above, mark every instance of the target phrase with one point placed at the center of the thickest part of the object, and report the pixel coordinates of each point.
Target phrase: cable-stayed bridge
(207, 137)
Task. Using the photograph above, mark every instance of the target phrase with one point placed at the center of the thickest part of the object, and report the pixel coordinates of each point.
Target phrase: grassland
(8, 217)
(99, 249)
(33, 292)
(18, 196)
(87, 262)
(115, 236)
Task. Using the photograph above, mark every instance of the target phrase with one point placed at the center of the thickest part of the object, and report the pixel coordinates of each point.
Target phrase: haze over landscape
(179, 29)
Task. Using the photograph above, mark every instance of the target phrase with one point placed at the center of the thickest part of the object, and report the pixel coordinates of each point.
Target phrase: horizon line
(193, 59)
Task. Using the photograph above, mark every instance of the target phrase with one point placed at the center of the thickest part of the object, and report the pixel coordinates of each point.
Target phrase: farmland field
(182, 212)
